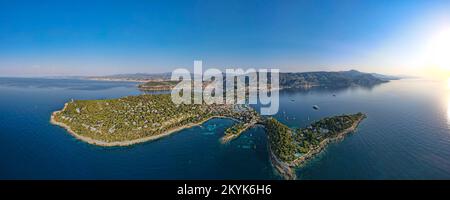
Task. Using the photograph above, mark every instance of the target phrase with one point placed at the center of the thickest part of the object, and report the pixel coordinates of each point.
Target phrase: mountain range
(287, 79)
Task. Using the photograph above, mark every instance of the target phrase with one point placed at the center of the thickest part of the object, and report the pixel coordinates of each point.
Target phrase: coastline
(154, 89)
(285, 168)
(116, 80)
(128, 142)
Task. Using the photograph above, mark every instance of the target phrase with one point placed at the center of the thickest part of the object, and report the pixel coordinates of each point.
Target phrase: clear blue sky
(109, 37)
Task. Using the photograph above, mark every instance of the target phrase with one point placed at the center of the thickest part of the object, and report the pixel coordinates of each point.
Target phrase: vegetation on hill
(290, 144)
(281, 139)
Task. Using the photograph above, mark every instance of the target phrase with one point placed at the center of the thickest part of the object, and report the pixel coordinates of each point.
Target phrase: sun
(438, 54)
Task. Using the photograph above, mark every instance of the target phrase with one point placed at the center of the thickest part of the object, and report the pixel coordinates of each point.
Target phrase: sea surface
(406, 136)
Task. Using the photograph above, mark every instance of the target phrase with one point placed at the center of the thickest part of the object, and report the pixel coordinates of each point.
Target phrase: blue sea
(406, 136)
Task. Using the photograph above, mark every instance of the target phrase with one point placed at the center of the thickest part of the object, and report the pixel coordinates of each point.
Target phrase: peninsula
(158, 85)
(136, 119)
(293, 147)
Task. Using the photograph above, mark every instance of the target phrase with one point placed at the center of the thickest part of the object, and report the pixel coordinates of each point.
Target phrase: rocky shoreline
(283, 168)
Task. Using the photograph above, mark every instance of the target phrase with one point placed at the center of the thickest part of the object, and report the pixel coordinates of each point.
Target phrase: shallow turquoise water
(406, 136)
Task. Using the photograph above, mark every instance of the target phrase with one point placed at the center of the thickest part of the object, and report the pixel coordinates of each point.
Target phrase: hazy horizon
(84, 38)
(156, 73)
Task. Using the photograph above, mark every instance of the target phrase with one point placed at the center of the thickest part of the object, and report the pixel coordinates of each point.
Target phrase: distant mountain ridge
(287, 79)
(386, 77)
(138, 77)
(329, 79)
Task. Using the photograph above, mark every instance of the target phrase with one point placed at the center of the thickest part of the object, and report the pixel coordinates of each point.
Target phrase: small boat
(316, 107)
